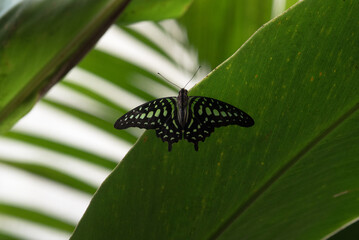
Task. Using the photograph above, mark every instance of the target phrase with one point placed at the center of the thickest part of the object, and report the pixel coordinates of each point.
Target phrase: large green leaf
(291, 176)
(348, 233)
(40, 41)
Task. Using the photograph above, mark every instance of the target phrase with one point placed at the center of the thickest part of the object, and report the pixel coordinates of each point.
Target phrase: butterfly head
(183, 93)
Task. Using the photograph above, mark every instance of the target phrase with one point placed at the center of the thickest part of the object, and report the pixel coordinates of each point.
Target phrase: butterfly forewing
(151, 115)
(207, 113)
(159, 114)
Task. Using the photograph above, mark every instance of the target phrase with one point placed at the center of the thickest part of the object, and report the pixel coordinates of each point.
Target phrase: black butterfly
(193, 118)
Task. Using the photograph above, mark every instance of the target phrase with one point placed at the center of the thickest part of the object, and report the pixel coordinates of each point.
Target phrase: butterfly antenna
(168, 80)
(192, 77)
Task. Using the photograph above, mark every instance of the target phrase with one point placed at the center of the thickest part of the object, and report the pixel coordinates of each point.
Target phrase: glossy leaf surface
(293, 175)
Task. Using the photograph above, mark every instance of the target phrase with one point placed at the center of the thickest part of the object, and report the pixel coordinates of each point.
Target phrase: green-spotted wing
(191, 118)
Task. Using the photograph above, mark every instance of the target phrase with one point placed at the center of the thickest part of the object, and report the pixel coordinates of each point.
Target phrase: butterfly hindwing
(159, 114)
(207, 113)
(171, 131)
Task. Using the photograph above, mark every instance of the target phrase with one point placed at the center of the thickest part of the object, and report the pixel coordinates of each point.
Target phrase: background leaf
(35, 217)
(297, 77)
(218, 29)
(68, 35)
(54, 46)
(154, 10)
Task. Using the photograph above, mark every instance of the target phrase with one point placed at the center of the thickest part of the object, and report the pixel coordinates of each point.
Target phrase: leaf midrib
(222, 228)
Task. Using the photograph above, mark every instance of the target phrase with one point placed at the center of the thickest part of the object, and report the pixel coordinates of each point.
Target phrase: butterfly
(191, 118)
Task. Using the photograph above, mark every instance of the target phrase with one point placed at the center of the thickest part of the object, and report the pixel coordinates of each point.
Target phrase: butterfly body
(191, 118)
(182, 106)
